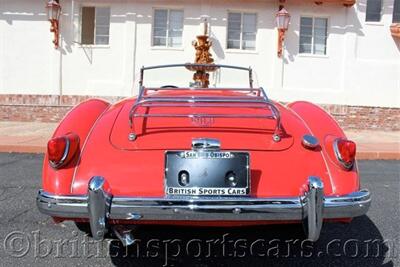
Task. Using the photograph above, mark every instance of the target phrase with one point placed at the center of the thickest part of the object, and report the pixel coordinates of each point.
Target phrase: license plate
(207, 173)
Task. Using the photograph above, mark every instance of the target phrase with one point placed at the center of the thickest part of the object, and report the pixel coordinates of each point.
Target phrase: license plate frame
(208, 172)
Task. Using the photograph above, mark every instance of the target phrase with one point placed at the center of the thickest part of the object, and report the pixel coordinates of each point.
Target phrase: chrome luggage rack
(255, 98)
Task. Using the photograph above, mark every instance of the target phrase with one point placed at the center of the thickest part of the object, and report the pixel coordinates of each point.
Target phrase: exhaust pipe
(124, 234)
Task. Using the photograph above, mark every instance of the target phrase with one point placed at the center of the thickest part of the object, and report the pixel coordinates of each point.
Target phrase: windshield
(182, 75)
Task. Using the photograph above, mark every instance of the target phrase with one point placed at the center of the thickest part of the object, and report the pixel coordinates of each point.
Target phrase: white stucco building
(341, 56)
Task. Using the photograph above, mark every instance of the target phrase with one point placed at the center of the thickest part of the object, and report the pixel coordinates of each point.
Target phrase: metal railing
(186, 65)
(254, 98)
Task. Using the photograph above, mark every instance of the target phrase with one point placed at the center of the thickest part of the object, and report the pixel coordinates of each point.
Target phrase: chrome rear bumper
(99, 206)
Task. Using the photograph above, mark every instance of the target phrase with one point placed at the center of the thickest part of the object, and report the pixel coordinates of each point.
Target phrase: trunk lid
(176, 133)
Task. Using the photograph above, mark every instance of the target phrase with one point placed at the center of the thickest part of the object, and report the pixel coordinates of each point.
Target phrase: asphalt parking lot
(28, 238)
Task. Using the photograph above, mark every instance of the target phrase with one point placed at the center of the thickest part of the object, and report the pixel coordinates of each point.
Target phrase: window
(313, 35)
(396, 11)
(95, 25)
(373, 12)
(168, 28)
(242, 30)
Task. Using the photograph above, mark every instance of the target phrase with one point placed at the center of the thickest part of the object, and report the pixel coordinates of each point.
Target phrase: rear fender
(326, 129)
(79, 120)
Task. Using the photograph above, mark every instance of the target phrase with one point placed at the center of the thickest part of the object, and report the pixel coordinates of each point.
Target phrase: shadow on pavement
(357, 244)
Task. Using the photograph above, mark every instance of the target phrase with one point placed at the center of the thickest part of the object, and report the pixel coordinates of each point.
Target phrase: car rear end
(207, 157)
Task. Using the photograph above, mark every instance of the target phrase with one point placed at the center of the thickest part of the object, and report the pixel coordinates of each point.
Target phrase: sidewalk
(32, 137)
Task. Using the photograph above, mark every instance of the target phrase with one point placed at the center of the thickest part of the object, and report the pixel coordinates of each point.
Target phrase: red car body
(130, 153)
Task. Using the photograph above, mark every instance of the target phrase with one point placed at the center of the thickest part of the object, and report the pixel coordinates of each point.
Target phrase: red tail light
(57, 148)
(345, 151)
(61, 149)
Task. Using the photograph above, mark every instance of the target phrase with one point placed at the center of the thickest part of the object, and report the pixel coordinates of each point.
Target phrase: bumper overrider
(99, 206)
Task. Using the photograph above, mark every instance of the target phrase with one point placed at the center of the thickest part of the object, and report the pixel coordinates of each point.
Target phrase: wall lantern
(282, 23)
(53, 9)
(395, 30)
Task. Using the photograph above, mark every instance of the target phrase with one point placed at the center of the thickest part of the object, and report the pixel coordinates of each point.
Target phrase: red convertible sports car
(200, 156)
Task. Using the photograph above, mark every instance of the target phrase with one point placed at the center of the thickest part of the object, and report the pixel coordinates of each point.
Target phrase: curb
(375, 155)
(361, 155)
(22, 149)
